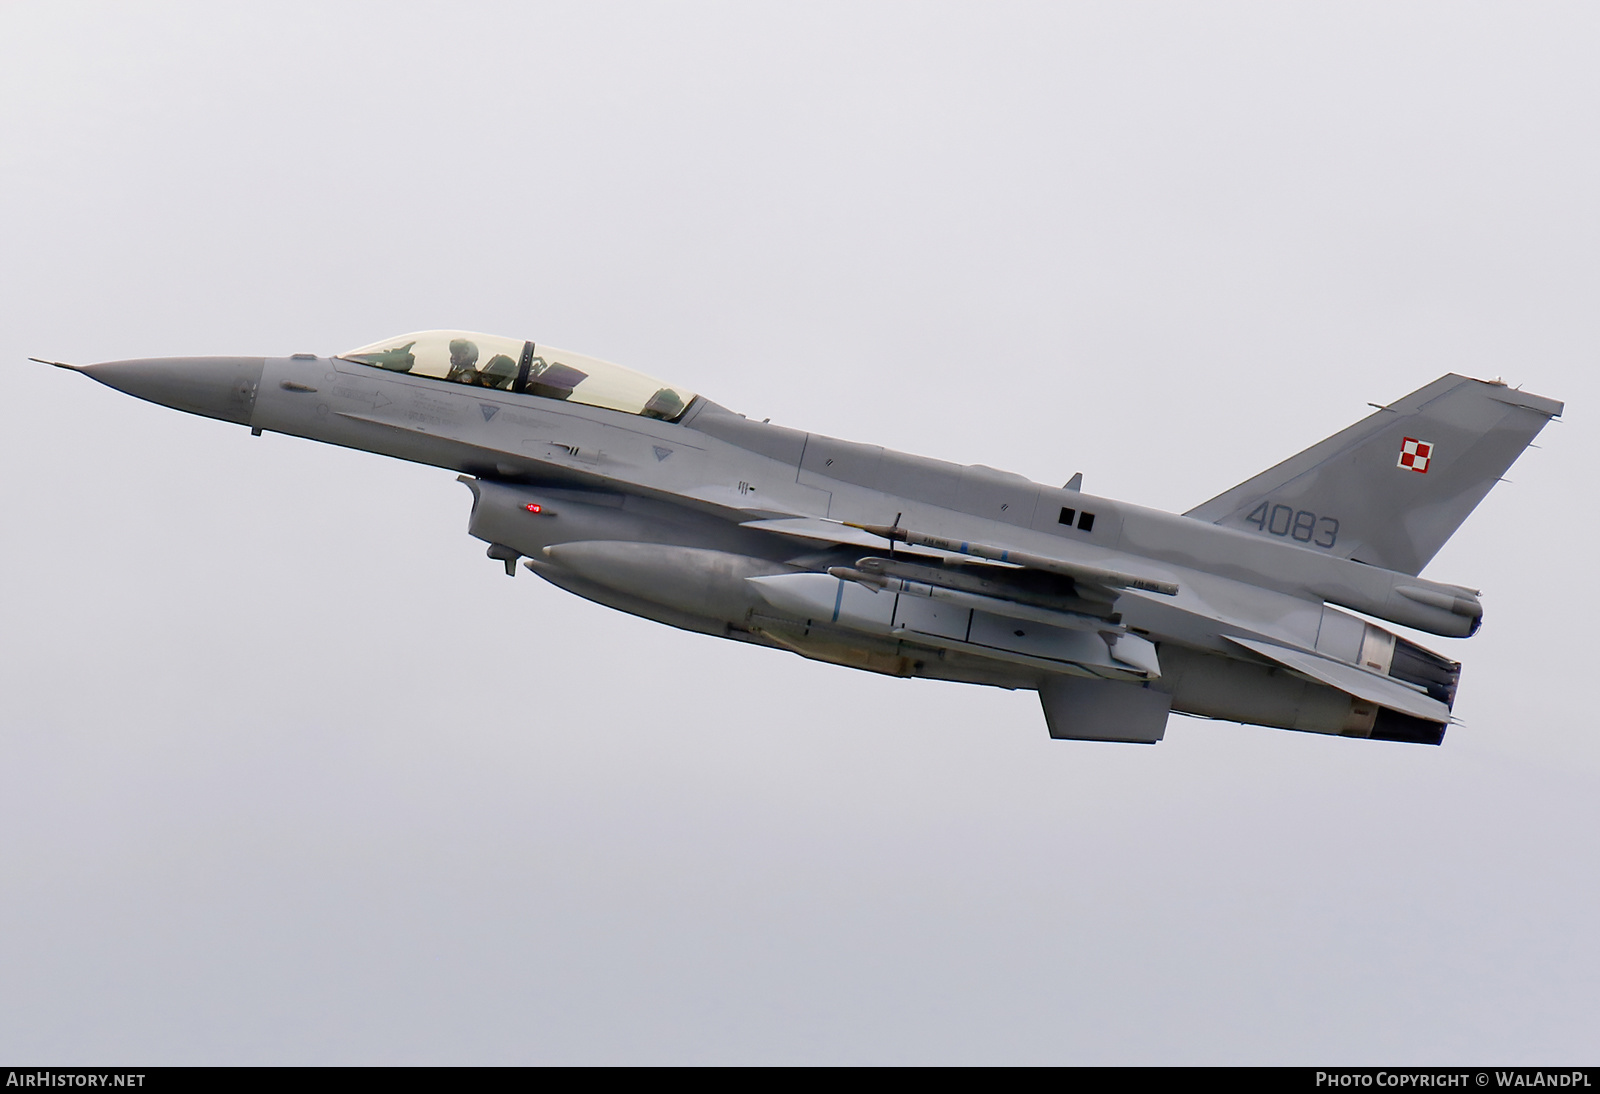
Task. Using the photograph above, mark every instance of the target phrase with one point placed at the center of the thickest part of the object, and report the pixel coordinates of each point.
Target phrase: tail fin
(1392, 488)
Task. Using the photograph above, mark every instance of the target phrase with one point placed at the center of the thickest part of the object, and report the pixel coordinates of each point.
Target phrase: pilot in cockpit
(463, 362)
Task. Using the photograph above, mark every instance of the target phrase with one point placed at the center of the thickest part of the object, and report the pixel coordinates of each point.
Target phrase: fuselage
(706, 522)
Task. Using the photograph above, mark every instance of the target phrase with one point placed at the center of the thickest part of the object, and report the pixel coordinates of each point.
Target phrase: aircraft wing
(816, 528)
(871, 535)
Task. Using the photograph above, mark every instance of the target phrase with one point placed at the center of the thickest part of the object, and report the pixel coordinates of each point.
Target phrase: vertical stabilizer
(1391, 489)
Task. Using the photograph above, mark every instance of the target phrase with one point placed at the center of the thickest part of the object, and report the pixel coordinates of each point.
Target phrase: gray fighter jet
(656, 501)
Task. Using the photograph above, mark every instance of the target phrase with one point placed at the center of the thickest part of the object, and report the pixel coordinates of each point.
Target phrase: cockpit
(507, 364)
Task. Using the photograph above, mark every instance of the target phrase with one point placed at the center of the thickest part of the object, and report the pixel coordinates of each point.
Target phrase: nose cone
(217, 387)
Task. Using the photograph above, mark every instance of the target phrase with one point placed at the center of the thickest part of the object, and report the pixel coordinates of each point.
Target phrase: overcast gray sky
(291, 773)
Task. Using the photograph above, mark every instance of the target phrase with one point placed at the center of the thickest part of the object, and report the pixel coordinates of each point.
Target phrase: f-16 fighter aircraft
(656, 501)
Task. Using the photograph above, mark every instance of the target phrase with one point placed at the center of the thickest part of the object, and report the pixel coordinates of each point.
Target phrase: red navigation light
(534, 507)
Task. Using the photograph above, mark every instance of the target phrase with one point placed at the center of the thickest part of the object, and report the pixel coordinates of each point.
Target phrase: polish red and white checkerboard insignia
(1415, 454)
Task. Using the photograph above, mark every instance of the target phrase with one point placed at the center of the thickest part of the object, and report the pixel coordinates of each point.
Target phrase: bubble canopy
(511, 364)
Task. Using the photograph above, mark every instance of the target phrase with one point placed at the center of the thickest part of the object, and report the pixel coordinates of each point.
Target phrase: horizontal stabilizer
(1382, 690)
